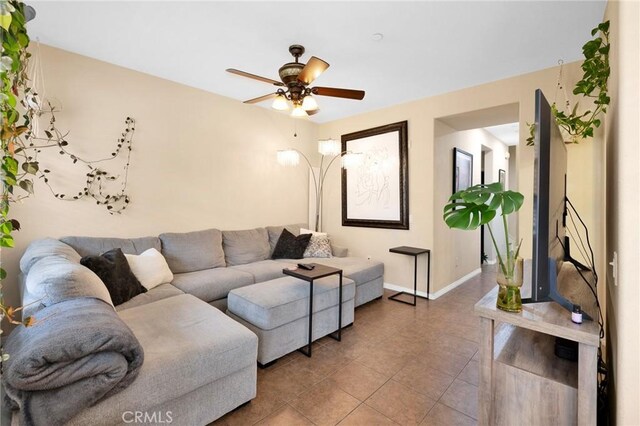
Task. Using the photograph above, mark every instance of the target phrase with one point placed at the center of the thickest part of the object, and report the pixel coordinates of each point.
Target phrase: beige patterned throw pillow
(319, 245)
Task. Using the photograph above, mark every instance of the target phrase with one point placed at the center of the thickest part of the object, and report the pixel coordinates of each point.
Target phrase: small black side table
(319, 271)
(415, 252)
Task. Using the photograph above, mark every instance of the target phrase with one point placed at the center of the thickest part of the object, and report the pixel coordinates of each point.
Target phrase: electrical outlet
(614, 268)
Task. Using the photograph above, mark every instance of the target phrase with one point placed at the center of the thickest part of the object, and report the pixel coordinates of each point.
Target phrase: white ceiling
(428, 47)
(507, 133)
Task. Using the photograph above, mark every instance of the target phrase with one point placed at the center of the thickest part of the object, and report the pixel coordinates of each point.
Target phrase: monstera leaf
(467, 215)
(479, 204)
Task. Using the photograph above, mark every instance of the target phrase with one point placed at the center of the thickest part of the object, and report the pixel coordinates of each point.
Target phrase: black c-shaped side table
(415, 252)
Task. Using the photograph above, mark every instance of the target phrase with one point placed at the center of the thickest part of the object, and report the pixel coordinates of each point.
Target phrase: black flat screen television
(549, 207)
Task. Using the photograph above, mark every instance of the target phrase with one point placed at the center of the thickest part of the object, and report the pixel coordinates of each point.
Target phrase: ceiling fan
(294, 90)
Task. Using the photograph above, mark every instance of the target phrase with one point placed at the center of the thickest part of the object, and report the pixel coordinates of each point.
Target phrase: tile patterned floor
(396, 365)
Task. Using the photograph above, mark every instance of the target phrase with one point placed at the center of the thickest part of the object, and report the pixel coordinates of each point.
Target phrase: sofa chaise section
(192, 352)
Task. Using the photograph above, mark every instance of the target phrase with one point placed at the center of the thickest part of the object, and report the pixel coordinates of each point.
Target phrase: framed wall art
(375, 193)
(462, 170)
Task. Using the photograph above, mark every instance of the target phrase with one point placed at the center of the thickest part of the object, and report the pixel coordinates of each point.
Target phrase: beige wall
(421, 115)
(459, 251)
(199, 160)
(494, 161)
(623, 231)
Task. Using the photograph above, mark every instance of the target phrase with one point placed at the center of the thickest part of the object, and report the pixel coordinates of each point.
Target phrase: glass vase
(509, 287)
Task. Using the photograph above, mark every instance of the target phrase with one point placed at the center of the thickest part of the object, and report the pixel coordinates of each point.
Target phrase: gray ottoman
(277, 311)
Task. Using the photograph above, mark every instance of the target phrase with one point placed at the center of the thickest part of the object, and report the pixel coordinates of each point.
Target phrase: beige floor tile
(400, 403)
(471, 373)
(353, 350)
(446, 342)
(358, 380)
(423, 379)
(446, 361)
(383, 361)
(441, 415)
(324, 361)
(290, 380)
(366, 416)
(463, 397)
(285, 416)
(325, 403)
(265, 403)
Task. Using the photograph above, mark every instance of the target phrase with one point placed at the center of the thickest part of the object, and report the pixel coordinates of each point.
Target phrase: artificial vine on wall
(593, 86)
(97, 184)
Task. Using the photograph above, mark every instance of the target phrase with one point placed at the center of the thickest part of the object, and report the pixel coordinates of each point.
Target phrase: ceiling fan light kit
(298, 111)
(295, 77)
(280, 103)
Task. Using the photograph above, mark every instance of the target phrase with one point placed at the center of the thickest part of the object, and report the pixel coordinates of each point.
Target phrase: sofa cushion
(187, 344)
(275, 231)
(92, 246)
(291, 247)
(246, 246)
(212, 284)
(358, 269)
(150, 268)
(46, 247)
(54, 279)
(160, 292)
(264, 270)
(277, 302)
(114, 271)
(193, 251)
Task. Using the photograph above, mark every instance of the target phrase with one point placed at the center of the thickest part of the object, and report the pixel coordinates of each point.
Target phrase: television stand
(521, 377)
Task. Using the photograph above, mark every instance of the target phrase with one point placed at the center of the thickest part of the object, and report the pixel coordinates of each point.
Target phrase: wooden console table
(521, 379)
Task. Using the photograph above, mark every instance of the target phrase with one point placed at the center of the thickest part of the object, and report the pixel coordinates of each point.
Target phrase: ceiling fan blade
(311, 71)
(255, 77)
(313, 111)
(338, 93)
(261, 98)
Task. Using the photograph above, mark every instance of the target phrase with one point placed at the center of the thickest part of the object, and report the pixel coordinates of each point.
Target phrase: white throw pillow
(150, 268)
(319, 245)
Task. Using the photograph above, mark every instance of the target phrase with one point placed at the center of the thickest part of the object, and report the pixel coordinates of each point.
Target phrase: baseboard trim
(438, 293)
(395, 287)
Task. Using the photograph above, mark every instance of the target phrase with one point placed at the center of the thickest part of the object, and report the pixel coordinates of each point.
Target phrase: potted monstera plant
(478, 205)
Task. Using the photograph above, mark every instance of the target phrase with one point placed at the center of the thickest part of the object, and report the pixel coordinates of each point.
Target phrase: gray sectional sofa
(199, 362)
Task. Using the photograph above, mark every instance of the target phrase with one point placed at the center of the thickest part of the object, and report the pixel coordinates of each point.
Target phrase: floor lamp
(329, 150)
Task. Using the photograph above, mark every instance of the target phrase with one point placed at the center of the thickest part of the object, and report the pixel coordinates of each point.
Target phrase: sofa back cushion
(93, 246)
(242, 247)
(193, 251)
(54, 279)
(276, 231)
(40, 249)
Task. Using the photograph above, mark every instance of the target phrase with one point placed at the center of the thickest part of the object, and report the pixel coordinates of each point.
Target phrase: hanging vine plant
(593, 86)
(22, 143)
(13, 77)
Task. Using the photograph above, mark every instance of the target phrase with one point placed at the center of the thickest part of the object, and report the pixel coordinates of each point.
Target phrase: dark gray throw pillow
(114, 271)
(289, 246)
